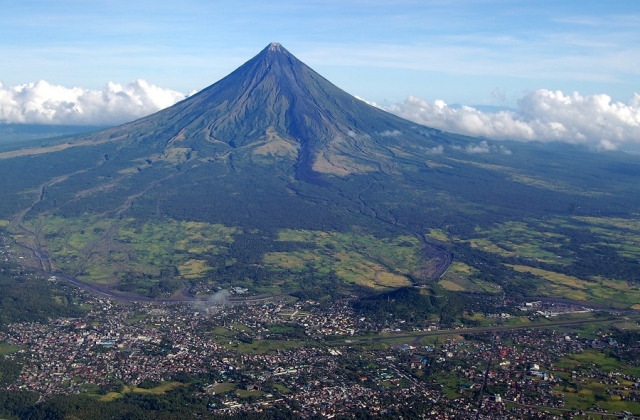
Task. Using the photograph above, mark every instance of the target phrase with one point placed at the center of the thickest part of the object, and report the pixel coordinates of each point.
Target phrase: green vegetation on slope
(28, 299)
(156, 205)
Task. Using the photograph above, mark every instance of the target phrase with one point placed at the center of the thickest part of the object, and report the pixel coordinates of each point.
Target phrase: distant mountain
(10, 133)
(276, 180)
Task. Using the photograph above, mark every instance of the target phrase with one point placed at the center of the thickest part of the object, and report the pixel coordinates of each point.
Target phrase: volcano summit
(276, 180)
(277, 107)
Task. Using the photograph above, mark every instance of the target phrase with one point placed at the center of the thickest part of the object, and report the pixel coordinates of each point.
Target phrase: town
(315, 358)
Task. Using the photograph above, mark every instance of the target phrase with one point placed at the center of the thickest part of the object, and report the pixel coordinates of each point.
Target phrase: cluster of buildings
(302, 356)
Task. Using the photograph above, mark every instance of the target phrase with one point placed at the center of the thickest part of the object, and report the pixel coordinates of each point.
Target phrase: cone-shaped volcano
(275, 105)
(276, 91)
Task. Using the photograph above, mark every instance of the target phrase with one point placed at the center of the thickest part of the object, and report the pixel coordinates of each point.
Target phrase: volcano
(276, 106)
(275, 180)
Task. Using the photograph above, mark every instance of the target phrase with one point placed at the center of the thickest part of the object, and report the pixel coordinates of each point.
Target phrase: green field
(242, 328)
(585, 392)
(462, 278)
(599, 266)
(104, 251)
(146, 254)
(159, 390)
(519, 239)
(224, 387)
(282, 389)
(263, 346)
(601, 291)
(6, 348)
(243, 393)
(622, 234)
(517, 175)
(356, 258)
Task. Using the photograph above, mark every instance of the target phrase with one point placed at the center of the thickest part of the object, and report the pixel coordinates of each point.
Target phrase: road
(133, 297)
(418, 335)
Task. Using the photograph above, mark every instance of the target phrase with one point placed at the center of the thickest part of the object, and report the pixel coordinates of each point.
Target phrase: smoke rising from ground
(220, 298)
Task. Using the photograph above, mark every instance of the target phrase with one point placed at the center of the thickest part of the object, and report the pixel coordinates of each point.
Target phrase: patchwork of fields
(572, 258)
(549, 253)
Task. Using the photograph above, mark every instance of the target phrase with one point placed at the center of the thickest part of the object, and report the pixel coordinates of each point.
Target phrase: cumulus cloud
(482, 147)
(499, 94)
(504, 150)
(391, 133)
(543, 115)
(43, 103)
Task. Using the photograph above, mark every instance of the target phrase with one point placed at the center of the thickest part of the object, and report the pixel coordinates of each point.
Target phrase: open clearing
(106, 251)
(585, 392)
(518, 239)
(263, 346)
(6, 349)
(460, 277)
(597, 290)
(97, 249)
(541, 246)
(159, 390)
(356, 258)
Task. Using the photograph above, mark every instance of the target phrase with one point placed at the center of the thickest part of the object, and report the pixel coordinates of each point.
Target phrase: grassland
(546, 250)
(461, 278)
(263, 346)
(97, 249)
(518, 176)
(224, 387)
(174, 244)
(243, 393)
(230, 387)
(622, 234)
(518, 239)
(356, 258)
(584, 392)
(106, 251)
(242, 328)
(114, 251)
(597, 290)
(282, 389)
(159, 390)
(514, 239)
(6, 349)
(438, 234)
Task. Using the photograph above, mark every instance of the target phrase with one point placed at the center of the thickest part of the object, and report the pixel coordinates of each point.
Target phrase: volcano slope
(276, 180)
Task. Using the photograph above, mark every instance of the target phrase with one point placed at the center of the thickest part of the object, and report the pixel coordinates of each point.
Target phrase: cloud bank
(43, 103)
(543, 115)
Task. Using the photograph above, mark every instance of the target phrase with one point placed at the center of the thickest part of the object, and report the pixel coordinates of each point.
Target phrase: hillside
(276, 180)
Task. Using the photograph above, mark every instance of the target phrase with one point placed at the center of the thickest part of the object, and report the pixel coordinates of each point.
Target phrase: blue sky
(460, 51)
(569, 69)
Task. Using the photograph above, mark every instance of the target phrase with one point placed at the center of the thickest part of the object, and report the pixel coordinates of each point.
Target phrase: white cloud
(389, 133)
(499, 94)
(544, 115)
(504, 150)
(482, 147)
(43, 103)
